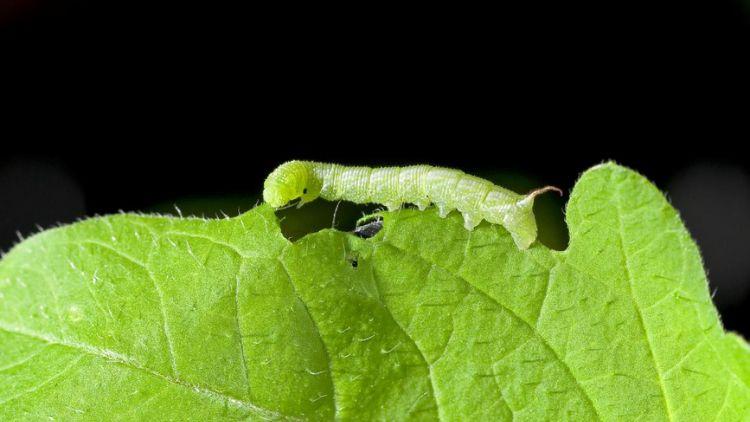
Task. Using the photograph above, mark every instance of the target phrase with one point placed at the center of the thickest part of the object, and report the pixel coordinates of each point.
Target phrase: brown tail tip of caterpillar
(540, 191)
(528, 200)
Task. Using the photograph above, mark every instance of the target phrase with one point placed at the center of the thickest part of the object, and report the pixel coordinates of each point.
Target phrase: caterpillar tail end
(523, 222)
(523, 228)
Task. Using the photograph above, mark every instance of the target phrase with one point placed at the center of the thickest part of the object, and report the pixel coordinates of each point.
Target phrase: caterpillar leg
(471, 221)
(442, 210)
(377, 215)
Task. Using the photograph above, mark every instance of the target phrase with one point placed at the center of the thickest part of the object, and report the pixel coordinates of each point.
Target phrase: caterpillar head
(291, 181)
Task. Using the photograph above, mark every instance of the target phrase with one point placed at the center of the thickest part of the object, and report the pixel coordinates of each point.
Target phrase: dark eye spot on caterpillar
(449, 189)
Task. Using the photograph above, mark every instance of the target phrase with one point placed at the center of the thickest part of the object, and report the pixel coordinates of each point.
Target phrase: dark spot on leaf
(352, 257)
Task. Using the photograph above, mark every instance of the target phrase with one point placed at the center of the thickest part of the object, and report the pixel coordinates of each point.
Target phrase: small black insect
(369, 230)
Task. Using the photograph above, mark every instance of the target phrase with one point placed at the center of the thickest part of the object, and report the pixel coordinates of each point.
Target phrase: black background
(136, 107)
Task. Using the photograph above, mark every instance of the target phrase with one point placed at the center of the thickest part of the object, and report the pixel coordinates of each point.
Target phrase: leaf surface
(142, 317)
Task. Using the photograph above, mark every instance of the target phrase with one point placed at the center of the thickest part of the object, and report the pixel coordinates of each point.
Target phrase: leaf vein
(515, 315)
(22, 361)
(132, 363)
(57, 375)
(317, 330)
(239, 331)
(433, 389)
(629, 277)
(160, 295)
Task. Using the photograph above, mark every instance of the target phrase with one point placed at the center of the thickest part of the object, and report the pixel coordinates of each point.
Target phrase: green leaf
(143, 317)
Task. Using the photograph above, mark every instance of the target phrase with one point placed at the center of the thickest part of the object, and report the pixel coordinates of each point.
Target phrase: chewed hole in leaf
(318, 215)
(363, 220)
(550, 219)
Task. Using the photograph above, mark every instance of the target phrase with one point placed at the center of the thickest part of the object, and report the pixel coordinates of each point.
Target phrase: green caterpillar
(477, 199)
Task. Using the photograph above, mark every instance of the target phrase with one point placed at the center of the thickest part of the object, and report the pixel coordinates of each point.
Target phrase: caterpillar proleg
(477, 199)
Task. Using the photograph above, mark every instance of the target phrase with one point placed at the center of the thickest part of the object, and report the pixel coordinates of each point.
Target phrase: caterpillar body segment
(477, 199)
